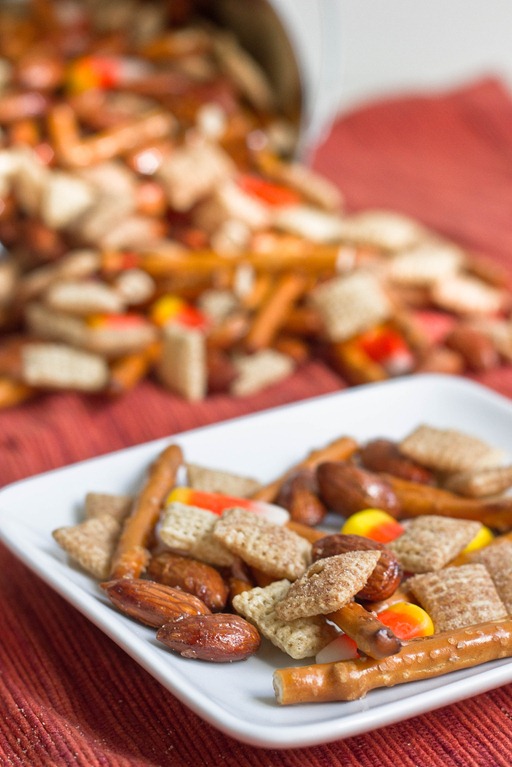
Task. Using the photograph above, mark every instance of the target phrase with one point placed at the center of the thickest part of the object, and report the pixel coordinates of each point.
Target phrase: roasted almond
(387, 574)
(190, 575)
(477, 349)
(219, 638)
(345, 489)
(299, 494)
(152, 603)
(383, 455)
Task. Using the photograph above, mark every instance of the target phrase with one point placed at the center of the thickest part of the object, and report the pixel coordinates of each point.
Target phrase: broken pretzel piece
(371, 636)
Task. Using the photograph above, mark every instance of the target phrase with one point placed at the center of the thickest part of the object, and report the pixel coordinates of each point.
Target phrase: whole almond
(219, 638)
(383, 455)
(345, 489)
(387, 574)
(299, 494)
(152, 603)
(477, 349)
(190, 575)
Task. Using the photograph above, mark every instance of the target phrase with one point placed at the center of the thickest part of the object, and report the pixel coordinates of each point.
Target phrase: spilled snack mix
(216, 575)
(155, 222)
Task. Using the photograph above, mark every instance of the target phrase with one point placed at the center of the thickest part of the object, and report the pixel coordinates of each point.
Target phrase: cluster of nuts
(154, 223)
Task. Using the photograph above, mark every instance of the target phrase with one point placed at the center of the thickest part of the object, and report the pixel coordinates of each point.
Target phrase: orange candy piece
(268, 191)
(407, 621)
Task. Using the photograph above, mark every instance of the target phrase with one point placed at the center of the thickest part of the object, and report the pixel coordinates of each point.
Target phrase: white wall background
(392, 46)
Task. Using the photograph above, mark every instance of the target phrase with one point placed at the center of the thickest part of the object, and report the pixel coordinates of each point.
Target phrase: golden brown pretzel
(420, 659)
(132, 555)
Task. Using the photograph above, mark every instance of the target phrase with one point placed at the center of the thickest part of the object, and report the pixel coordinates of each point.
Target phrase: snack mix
(359, 562)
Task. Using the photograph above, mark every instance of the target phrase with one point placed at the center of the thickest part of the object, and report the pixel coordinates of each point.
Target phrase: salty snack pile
(155, 222)
(361, 562)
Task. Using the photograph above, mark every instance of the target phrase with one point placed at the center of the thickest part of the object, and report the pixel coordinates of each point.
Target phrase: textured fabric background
(69, 695)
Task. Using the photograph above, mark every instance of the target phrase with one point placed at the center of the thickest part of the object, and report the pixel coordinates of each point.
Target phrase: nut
(383, 455)
(219, 637)
(345, 489)
(477, 349)
(190, 575)
(299, 494)
(387, 574)
(152, 603)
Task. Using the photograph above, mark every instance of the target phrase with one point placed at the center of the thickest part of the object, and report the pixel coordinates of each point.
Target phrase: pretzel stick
(131, 557)
(311, 534)
(273, 311)
(416, 499)
(260, 288)
(338, 450)
(419, 659)
(371, 636)
(354, 364)
(162, 264)
(76, 152)
(126, 372)
(304, 321)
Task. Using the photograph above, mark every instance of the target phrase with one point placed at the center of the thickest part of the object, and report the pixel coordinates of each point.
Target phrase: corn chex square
(384, 229)
(464, 294)
(189, 529)
(425, 264)
(328, 584)
(479, 484)
(217, 481)
(57, 366)
(350, 304)
(449, 450)
(302, 638)
(183, 363)
(497, 558)
(91, 544)
(82, 298)
(271, 548)
(458, 596)
(255, 372)
(430, 542)
(99, 504)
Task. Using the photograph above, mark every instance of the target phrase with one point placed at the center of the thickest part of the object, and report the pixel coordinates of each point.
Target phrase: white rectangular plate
(238, 698)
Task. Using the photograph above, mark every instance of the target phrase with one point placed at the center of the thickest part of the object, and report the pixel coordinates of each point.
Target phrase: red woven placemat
(70, 696)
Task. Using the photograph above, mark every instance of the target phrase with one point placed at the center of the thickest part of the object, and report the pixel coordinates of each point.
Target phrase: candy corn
(267, 191)
(172, 309)
(217, 502)
(373, 523)
(481, 539)
(407, 621)
(101, 71)
(386, 346)
(342, 647)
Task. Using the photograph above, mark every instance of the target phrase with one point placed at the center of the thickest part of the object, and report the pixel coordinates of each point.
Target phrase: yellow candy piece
(481, 539)
(407, 621)
(373, 523)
